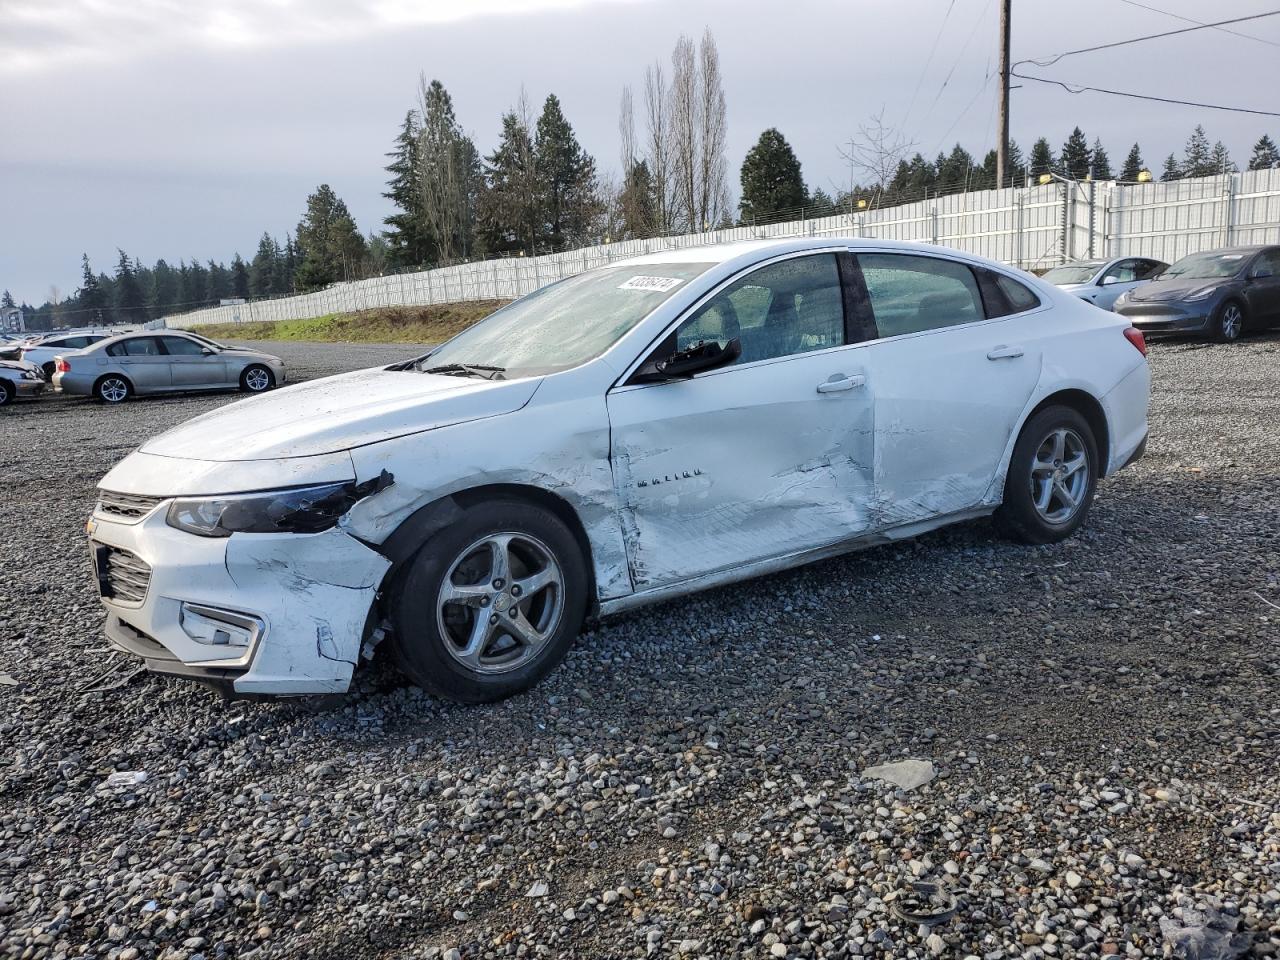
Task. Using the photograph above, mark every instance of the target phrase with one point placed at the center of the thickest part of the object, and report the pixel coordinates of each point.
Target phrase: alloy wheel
(113, 390)
(1059, 475)
(500, 602)
(257, 379)
(1232, 322)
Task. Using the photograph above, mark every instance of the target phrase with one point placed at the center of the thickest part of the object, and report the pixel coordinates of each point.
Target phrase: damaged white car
(655, 427)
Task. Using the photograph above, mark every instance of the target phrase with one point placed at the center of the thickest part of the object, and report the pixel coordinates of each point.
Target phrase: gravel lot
(1103, 717)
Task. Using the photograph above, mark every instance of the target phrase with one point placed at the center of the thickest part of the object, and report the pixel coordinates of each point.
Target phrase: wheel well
(1088, 407)
(105, 375)
(543, 498)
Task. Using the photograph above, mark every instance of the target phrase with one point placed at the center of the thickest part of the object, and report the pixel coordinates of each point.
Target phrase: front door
(766, 457)
(143, 362)
(1120, 278)
(190, 367)
(948, 382)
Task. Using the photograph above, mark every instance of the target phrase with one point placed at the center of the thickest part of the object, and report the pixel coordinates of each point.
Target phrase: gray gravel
(1102, 718)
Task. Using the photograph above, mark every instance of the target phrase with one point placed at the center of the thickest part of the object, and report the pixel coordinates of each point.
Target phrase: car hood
(339, 413)
(1074, 287)
(1160, 291)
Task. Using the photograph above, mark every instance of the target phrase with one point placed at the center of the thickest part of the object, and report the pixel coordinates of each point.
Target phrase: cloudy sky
(184, 129)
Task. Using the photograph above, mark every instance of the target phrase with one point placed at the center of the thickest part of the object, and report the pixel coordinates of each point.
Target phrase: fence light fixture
(862, 204)
(1144, 176)
(1046, 178)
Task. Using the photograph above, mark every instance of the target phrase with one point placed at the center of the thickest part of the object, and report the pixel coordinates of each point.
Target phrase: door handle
(1004, 352)
(838, 381)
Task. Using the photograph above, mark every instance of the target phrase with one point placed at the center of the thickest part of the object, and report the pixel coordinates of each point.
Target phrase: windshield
(1072, 273)
(1205, 266)
(202, 339)
(562, 325)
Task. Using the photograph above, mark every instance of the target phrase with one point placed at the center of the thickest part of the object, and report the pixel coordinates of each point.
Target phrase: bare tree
(713, 187)
(876, 150)
(446, 158)
(627, 130)
(658, 143)
(685, 130)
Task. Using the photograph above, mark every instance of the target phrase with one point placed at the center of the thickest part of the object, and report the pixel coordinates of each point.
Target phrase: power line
(960, 56)
(1178, 16)
(1082, 88)
(1050, 61)
(928, 61)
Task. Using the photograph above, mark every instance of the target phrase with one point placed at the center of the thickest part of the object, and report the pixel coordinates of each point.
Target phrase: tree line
(538, 191)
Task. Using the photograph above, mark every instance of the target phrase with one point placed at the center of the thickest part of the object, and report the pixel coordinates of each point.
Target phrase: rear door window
(912, 294)
(137, 347)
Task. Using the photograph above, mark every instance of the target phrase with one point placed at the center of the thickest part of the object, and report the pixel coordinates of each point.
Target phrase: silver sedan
(1101, 282)
(170, 362)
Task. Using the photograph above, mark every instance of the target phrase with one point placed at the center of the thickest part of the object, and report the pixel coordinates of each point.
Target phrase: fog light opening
(219, 628)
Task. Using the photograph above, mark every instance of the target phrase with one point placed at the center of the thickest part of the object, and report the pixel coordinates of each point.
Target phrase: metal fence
(1030, 227)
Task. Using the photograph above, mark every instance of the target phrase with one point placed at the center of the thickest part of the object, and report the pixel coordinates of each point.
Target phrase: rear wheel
(257, 379)
(491, 604)
(7, 393)
(1052, 477)
(112, 388)
(1228, 322)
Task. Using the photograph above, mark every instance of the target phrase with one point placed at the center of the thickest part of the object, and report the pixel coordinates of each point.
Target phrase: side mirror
(208, 351)
(1107, 281)
(703, 355)
(1261, 273)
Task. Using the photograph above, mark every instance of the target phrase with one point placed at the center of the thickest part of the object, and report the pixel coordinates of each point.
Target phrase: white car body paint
(677, 485)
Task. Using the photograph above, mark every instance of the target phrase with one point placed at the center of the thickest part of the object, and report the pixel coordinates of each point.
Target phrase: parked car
(1219, 293)
(43, 351)
(19, 379)
(1101, 282)
(634, 433)
(137, 364)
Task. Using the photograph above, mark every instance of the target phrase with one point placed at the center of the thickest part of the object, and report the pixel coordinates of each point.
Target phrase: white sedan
(655, 427)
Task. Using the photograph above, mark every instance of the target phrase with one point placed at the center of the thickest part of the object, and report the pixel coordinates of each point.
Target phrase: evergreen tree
(1265, 155)
(1101, 162)
(1198, 160)
(913, 180)
(264, 267)
(194, 284)
(219, 281)
(1171, 169)
(409, 238)
(1041, 161)
(821, 204)
(332, 248)
(771, 179)
(1074, 160)
(287, 267)
(450, 179)
(1133, 165)
(954, 170)
(1220, 159)
(568, 199)
(92, 300)
(509, 206)
(638, 203)
(131, 307)
(163, 292)
(239, 277)
(6, 302)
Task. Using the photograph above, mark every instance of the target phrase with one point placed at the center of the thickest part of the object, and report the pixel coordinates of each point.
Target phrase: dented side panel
(741, 464)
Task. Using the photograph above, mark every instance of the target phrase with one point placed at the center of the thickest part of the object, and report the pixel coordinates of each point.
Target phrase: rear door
(950, 373)
(143, 362)
(189, 366)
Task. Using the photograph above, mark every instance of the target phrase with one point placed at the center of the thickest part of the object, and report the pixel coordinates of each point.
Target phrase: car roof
(717, 253)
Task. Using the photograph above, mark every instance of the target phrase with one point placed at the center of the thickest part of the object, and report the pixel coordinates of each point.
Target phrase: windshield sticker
(1233, 256)
(661, 284)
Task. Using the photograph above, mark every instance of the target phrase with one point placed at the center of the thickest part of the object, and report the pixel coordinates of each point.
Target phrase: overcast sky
(181, 129)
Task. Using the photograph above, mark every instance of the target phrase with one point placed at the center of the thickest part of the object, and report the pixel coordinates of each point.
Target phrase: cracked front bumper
(295, 606)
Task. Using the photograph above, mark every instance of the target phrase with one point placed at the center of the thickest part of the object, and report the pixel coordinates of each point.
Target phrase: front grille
(122, 576)
(129, 507)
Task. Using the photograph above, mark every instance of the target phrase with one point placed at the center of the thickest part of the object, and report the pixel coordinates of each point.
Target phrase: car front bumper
(29, 388)
(255, 614)
(1154, 319)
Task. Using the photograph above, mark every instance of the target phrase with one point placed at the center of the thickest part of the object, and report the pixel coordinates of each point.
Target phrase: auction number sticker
(661, 284)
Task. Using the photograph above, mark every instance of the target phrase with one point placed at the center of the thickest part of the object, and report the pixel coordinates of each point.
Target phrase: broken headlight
(299, 510)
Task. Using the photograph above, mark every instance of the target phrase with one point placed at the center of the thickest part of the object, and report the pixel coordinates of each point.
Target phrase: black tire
(1018, 516)
(107, 389)
(423, 648)
(252, 375)
(7, 392)
(49, 368)
(1229, 321)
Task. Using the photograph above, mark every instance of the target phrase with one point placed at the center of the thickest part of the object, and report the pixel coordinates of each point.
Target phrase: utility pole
(1002, 145)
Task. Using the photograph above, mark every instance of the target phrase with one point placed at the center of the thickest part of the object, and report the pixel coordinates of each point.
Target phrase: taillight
(1134, 336)
(63, 367)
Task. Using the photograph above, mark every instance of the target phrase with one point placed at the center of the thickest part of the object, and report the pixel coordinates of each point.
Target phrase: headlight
(1204, 294)
(299, 510)
(1122, 298)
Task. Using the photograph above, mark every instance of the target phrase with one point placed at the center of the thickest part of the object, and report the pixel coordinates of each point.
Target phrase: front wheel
(7, 393)
(491, 604)
(1228, 322)
(257, 379)
(1052, 477)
